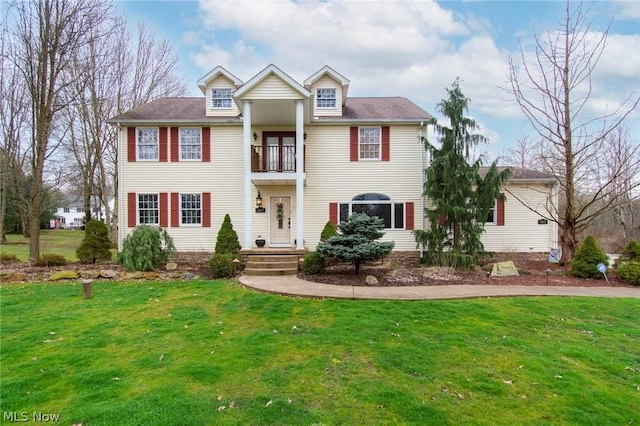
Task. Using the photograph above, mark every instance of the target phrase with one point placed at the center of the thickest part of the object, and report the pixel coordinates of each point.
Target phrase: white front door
(280, 221)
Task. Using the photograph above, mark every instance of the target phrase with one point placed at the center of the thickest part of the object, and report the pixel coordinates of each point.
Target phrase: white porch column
(299, 174)
(246, 140)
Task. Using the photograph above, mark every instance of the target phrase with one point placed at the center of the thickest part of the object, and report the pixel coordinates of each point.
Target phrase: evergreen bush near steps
(145, 248)
(313, 264)
(96, 243)
(223, 265)
(227, 240)
(585, 262)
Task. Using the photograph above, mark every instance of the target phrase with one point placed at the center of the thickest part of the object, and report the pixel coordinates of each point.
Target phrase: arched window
(375, 204)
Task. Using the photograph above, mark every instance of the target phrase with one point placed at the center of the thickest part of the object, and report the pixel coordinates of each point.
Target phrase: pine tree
(96, 244)
(227, 241)
(461, 198)
(356, 241)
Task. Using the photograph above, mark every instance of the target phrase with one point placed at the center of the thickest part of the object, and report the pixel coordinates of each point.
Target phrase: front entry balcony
(273, 164)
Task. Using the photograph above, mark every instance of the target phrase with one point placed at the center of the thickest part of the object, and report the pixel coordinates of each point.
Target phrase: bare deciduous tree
(46, 38)
(553, 89)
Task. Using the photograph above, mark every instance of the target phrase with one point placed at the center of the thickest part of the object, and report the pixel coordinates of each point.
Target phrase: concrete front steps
(271, 264)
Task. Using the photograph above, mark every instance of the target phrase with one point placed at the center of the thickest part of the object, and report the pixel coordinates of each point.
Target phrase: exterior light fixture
(304, 136)
(259, 208)
(255, 136)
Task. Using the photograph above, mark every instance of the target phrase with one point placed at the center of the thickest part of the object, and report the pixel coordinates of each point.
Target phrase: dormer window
(326, 98)
(221, 98)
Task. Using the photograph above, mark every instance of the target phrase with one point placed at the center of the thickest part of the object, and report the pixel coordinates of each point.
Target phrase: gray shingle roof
(193, 109)
(521, 174)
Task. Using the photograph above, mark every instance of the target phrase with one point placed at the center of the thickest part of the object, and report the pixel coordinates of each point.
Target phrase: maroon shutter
(131, 209)
(164, 210)
(175, 209)
(131, 144)
(333, 213)
(163, 144)
(175, 145)
(206, 144)
(443, 220)
(500, 211)
(206, 209)
(408, 207)
(354, 152)
(385, 143)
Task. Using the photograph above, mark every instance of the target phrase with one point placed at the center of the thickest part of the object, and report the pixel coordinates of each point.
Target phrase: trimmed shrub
(50, 259)
(96, 243)
(585, 262)
(227, 241)
(224, 265)
(328, 231)
(631, 252)
(146, 248)
(313, 264)
(630, 272)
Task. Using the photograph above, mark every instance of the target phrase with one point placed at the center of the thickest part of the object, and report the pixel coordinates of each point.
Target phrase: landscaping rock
(90, 274)
(108, 273)
(64, 275)
(371, 280)
(171, 266)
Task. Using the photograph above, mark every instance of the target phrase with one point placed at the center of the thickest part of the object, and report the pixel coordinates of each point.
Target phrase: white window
(491, 217)
(148, 209)
(326, 98)
(67, 210)
(190, 148)
(378, 205)
(190, 209)
(370, 143)
(147, 143)
(220, 98)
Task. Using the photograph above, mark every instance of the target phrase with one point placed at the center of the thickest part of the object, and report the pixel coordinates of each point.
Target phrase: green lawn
(212, 352)
(57, 241)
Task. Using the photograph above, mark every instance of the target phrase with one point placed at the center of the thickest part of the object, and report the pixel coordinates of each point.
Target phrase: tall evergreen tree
(460, 197)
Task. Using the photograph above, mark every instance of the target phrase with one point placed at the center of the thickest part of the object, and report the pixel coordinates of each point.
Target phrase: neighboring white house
(282, 158)
(68, 218)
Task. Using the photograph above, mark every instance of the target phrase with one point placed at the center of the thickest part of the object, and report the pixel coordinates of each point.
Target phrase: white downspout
(120, 166)
(246, 114)
(421, 146)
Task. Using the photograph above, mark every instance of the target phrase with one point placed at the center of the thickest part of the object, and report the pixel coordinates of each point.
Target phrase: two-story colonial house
(282, 158)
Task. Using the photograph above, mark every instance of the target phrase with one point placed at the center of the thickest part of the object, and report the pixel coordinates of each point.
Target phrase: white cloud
(627, 9)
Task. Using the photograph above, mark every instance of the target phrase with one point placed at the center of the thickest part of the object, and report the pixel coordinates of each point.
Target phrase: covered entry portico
(273, 100)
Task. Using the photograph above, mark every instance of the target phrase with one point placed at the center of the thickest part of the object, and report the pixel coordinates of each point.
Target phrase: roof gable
(328, 71)
(215, 73)
(269, 71)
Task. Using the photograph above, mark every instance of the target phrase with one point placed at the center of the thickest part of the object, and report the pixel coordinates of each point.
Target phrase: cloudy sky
(397, 47)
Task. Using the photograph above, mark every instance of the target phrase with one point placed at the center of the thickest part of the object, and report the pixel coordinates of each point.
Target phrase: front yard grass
(56, 241)
(211, 352)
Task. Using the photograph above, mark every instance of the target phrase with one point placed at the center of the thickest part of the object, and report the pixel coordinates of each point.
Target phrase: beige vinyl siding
(222, 177)
(521, 231)
(331, 177)
(327, 82)
(272, 87)
(220, 82)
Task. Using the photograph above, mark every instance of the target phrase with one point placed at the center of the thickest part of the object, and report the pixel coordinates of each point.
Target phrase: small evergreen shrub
(227, 241)
(585, 262)
(50, 259)
(328, 231)
(96, 243)
(631, 252)
(630, 272)
(8, 257)
(145, 248)
(224, 265)
(313, 264)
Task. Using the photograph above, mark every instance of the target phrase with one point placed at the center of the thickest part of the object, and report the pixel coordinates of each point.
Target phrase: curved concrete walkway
(294, 286)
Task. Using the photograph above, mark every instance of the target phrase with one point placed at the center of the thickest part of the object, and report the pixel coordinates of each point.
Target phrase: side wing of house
(519, 224)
